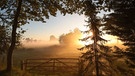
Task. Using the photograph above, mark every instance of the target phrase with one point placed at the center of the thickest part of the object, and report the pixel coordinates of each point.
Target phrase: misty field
(54, 51)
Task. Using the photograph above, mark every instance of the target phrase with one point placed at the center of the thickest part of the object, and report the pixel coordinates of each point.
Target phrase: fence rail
(48, 66)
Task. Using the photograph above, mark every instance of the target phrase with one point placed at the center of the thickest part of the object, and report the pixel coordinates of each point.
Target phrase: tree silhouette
(5, 39)
(93, 54)
(121, 23)
(99, 59)
(53, 38)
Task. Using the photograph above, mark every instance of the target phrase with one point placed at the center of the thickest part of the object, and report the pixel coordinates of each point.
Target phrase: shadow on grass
(4, 73)
(14, 72)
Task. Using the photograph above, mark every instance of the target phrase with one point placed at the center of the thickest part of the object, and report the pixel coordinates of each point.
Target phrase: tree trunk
(96, 51)
(12, 46)
(96, 62)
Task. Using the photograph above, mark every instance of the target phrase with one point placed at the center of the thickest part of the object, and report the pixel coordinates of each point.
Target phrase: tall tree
(98, 57)
(121, 23)
(19, 12)
(95, 53)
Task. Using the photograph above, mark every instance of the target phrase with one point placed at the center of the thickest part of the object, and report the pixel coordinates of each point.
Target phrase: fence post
(22, 65)
(54, 65)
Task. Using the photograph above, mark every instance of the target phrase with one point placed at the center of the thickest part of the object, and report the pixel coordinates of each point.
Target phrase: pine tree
(95, 51)
(99, 60)
(121, 23)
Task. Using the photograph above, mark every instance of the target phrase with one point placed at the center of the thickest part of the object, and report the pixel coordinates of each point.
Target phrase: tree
(100, 59)
(95, 50)
(53, 38)
(19, 12)
(121, 23)
(5, 39)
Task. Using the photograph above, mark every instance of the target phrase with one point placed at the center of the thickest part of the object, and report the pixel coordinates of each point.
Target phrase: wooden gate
(52, 66)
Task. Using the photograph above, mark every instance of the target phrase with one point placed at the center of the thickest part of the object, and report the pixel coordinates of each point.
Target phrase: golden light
(112, 40)
(89, 41)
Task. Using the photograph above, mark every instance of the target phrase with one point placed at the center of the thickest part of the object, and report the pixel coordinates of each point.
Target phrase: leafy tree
(20, 12)
(5, 39)
(53, 38)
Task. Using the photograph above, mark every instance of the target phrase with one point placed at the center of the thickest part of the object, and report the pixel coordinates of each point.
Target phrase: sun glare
(89, 41)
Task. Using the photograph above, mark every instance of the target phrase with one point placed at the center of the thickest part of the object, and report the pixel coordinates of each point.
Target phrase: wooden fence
(52, 66)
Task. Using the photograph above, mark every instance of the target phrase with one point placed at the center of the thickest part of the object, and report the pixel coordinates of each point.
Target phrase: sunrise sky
(54, 26)
(57, 26)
